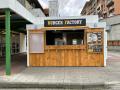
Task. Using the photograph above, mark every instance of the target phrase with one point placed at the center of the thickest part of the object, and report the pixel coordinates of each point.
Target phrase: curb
(53, 86)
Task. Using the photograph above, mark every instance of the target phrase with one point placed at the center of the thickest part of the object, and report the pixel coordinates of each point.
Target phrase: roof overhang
(16, 7)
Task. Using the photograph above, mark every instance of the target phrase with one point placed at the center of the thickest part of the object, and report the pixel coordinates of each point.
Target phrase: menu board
(94, 42)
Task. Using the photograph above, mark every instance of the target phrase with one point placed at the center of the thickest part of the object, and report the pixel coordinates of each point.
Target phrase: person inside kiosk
(65, 37)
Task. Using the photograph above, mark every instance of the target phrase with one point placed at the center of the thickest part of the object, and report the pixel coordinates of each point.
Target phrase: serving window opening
(65, 37)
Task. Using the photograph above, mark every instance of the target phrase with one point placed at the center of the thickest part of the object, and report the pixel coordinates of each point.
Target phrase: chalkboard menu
(94, 42)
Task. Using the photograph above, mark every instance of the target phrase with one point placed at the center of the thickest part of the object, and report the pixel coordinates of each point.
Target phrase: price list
(94, 42)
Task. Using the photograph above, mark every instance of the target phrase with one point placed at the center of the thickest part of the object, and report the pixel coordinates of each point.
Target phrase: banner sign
(64, 22)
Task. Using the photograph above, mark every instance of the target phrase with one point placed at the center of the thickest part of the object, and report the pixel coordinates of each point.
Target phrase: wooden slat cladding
(66, 57)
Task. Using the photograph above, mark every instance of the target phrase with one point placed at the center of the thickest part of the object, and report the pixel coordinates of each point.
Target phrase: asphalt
(104, 78)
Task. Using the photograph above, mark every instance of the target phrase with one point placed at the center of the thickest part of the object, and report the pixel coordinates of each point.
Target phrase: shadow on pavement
(18, 63)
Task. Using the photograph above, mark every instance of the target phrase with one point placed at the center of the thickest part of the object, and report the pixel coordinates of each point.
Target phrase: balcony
(110, 2)
(33, 7)
(26, 4)
(111, 8)
(104, 12)
(99, 9)
(37, 12)
(111, 14)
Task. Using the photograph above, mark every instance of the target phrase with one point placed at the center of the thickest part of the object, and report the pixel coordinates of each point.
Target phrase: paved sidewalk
(18, 63)
(108, 75)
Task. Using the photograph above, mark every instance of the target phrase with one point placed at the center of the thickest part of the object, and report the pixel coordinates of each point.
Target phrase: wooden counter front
(67, 55)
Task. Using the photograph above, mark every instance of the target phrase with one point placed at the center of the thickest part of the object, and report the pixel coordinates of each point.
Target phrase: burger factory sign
(65, 22)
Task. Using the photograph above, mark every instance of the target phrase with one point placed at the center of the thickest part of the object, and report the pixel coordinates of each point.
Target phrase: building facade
(34, 7)
(103, 8)
(18, 39)
(113, 32)
(53, 8)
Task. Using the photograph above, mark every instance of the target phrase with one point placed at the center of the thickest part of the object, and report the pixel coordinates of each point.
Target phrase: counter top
(82, 47)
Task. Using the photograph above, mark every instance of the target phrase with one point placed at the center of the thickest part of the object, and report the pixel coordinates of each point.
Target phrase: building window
(2, 45)
(15, 43)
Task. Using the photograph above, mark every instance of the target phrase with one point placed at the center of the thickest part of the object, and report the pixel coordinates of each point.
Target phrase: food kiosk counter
(66, 46)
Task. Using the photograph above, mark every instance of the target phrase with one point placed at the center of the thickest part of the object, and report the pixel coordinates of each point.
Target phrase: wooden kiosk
(67, 42)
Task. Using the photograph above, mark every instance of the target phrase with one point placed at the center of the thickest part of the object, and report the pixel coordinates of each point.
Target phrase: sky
(67, 7)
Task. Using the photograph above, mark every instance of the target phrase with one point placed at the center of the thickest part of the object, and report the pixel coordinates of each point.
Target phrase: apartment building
(113, 7)
(103, 8)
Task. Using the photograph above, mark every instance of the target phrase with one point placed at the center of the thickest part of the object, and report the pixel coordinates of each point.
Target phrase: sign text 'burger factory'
(65, 22)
